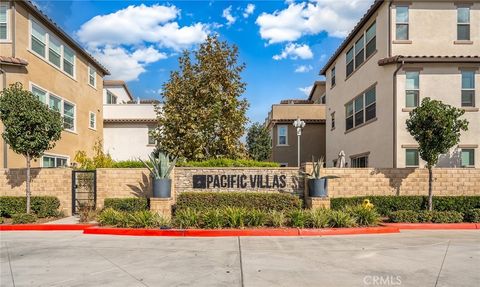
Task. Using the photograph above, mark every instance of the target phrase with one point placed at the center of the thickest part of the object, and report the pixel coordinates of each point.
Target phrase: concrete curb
(44, 227)
(432, 226)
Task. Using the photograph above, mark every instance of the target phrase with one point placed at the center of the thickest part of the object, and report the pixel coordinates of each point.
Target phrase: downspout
(389, 29)
(395, 113)
(14, 12)
(5, 148)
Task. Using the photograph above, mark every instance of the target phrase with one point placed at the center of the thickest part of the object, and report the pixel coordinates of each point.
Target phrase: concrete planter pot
(317, 187)
(162, 188)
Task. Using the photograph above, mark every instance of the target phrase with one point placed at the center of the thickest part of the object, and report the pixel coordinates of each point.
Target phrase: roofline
(429, 59)
(352, 34)
(114, 83)
(317, 83)
(66, 37)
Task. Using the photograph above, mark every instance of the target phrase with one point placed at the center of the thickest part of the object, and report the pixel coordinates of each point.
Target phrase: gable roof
(116, 83)
(52, 25)
(352, 34)
(315, 85)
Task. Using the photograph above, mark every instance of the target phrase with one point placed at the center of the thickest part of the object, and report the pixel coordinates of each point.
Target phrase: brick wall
(52, 182)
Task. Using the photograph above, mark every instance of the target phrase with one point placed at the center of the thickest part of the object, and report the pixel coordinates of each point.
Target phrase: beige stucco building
(284, 135)
(127, 123)
(399, 53)
(37, 53)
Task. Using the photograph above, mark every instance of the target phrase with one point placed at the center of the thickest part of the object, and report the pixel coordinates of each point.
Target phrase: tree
(259, 142)
(203, 115)
(30, 127)
(436, 127)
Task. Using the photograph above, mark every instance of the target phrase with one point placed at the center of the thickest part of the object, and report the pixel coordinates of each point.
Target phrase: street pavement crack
(10, 264)
(443, 261)
(241, 261)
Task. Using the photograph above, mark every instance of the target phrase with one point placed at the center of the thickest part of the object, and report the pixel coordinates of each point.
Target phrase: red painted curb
(433, 226)
(134, 231)
(348, 231)
(241, 232)
(44, 227)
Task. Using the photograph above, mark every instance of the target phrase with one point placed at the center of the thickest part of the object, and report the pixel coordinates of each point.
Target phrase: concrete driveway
(411, 258)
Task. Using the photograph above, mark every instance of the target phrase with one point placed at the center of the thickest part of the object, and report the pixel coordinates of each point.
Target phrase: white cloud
(306, 90)
(227, 14)
(335, 17)
(295, 51)
(125, 65)
(303, 69)
(248, 10)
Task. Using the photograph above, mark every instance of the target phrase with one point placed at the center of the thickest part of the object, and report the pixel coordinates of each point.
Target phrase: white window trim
(55, 155)
(47, 47)
(474, 155)
(418, 159)
(402, 23)
(469, 23)
(8, 22)
(278, 135)
(417, 90)
(90, 68)
(63, 100)
(355, 53)
(94, 120)
(364, 109)
(113, 95)
(470, 89)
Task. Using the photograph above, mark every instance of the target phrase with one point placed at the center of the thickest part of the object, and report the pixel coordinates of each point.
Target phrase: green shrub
(234, 217)
(146, 219)
(249, 200)
(255, 218)
(23, 218)
(276, 218)
(42, 206)
(364, 216)
(319, 218)
(339, 218)
(187, 218)
(111, 217)
(128, 164)
(472, 215)
(298, 218)
(213, 218)
(411, 216)
(223, 162)
(130, 204)
(386, 204)
(1, 220)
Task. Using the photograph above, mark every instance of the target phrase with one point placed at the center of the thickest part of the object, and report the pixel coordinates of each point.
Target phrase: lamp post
(299, 124)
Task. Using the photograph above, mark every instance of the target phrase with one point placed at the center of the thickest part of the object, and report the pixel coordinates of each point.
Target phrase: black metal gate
(84, 190)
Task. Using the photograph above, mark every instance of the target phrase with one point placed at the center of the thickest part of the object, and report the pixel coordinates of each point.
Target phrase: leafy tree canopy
(259, 142)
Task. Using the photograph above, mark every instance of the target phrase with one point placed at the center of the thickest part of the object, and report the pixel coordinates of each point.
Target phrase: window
(333, 120)
(151, 136)
(411, 157)
(357, 54)
(54, 161)
(359, 161)
(111, 98)
(412, 89)
(371, 40)
(463, 23)
(68, 116)
(468, 89)
(332, 83)
(284, 164)
(3, 21)
(92, 123)
(39, 38)
(41, 94)
(402, 23)
(282, 131)
(468, 157)
(323, 99)
(361, 109)
(47, 46)
(55, 103)
(92, 77)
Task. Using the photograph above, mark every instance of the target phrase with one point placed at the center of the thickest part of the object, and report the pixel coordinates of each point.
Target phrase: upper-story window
(357, 54)
(46, 45)
(111, 98)
(411, 157)
(333, 120)
(468, 88)
(463, 23)
(3, 21)
(412, 89)
(332, 78)
(402, 22)
(151, 136)
(92, 76)
(282, 131)
(468, 157)
(92, 123)
(361, 109)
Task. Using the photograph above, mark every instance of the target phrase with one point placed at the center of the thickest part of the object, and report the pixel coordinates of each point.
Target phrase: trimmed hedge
(129, 204)
(128, 164)
(387, 204)
(23, 218)
(473, 215)
(224, 162)
(249, 200)
(411, 216)
(41, 206)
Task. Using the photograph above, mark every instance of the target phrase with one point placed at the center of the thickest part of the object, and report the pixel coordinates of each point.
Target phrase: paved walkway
(66, 220)
(411, 258)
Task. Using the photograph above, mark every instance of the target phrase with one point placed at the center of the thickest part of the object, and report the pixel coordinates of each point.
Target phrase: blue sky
(283, 44)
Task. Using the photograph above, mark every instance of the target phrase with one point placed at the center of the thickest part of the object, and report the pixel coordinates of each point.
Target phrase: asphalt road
(411, 258)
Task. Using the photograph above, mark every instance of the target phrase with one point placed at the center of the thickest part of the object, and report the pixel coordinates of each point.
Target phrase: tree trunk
(28, 183)
(430, 193)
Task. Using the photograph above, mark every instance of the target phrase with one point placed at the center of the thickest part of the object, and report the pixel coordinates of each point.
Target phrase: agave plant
(317, 169)
(159, 164)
